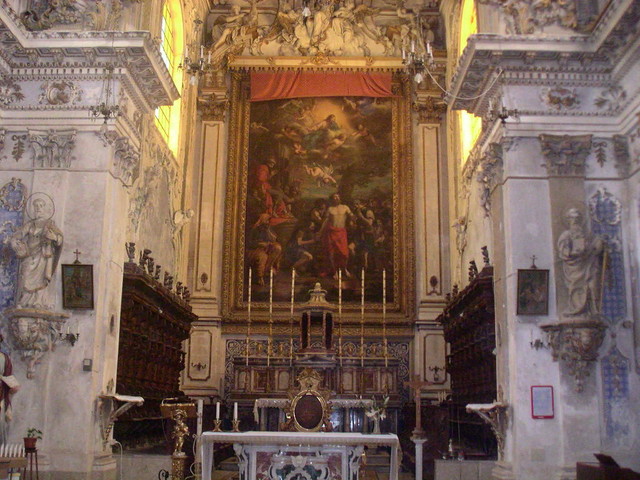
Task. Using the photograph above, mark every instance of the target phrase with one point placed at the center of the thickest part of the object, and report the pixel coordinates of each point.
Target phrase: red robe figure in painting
(264, 172)
(334, 235)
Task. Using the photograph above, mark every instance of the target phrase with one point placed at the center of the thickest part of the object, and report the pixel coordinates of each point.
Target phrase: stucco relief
(52, 148)
(611, 100)
(622, 155)
(489, 174)
(560, 98)
(10, 92)
(44, 14)
(530, 16)
(59, 92)
(329, 29)
(565, 154)
(126, 161)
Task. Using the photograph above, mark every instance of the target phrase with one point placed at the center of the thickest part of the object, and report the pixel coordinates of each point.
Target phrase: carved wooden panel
(153, 324)
(469, 327)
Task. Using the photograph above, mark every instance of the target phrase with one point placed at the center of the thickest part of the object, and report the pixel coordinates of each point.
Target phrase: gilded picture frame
(77, 286)
(244, 159)
(533, 292)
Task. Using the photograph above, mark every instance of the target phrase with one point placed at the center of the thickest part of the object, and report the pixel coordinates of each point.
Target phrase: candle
(235, 410)
(340, 314)
(201, 51)
(217, 410)
(384, 292)
(293, 284)
(270, 293)
(413, 46)
(199, 425)
(340, 294)
(362, 295)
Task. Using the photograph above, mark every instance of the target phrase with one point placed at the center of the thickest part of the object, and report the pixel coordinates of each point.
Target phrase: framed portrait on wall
(533, 292)
(322, 185)
(77, 286)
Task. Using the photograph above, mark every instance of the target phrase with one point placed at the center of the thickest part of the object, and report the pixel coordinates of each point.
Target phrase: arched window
(171, 49)
(470, 125)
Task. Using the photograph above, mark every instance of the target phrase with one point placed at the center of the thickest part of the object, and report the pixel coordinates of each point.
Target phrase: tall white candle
(362, 295)
(384, 293)
(293, 284)
(217, 410)
(199, 425)
(270, 293)
(235, 410)
(340, 294)
(249, 287)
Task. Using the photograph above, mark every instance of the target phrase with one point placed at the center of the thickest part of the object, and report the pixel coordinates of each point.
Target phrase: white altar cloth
(247, 445)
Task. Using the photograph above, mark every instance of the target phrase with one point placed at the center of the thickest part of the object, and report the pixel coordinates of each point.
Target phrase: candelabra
(503, 113)
(72, 338)
(106, 108)
(194, 62)
(418, 62)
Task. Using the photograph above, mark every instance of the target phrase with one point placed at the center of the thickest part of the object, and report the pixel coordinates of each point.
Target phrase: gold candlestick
(270, 339)
(384, 317)
(235, 425)
(293, 285)
(340, 315)
(362, 321)
(248, 320)
(217, 424)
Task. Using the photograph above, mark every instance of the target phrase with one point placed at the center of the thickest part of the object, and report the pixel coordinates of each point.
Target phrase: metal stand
(32, 455)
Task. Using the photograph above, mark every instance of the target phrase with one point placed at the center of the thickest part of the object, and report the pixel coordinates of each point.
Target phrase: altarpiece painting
(321, 185)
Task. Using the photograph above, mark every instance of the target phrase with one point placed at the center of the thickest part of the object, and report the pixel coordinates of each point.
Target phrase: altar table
(296, 449)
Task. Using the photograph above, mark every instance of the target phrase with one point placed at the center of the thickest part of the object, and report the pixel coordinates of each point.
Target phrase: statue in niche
(582, 261)
(37, 244)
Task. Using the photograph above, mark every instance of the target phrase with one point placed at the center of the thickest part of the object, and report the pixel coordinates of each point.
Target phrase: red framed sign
(542, 401)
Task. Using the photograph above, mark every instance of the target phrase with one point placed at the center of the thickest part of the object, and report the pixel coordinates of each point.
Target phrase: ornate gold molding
(316, 62)
(233, 307)
(431, 111)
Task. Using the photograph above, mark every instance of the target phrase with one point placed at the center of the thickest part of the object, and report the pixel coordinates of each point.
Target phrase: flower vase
(376, 425)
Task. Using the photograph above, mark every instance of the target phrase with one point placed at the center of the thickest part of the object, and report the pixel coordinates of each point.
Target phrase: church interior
(319, 239)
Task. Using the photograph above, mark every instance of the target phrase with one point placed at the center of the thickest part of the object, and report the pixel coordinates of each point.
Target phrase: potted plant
(33, 434)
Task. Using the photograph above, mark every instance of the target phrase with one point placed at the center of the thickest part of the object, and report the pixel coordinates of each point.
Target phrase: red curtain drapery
(296, 84)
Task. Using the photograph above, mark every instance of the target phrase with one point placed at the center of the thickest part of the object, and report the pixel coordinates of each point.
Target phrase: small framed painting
(533, 292)
(542, 401)
(77, 286)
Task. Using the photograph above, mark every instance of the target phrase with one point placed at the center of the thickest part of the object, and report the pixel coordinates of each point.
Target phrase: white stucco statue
(37, 244)
(581, 256)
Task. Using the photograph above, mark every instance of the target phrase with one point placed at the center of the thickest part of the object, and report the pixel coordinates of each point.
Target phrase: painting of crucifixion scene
(320, 198)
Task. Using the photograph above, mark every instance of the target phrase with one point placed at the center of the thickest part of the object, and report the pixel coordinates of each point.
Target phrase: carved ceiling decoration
(569, 61)
(84, 55)
(331, 31)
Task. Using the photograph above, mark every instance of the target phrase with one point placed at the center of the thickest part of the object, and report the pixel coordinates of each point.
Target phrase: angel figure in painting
(37, 244)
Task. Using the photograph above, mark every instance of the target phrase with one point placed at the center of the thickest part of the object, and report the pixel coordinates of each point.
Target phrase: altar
(276, 455)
